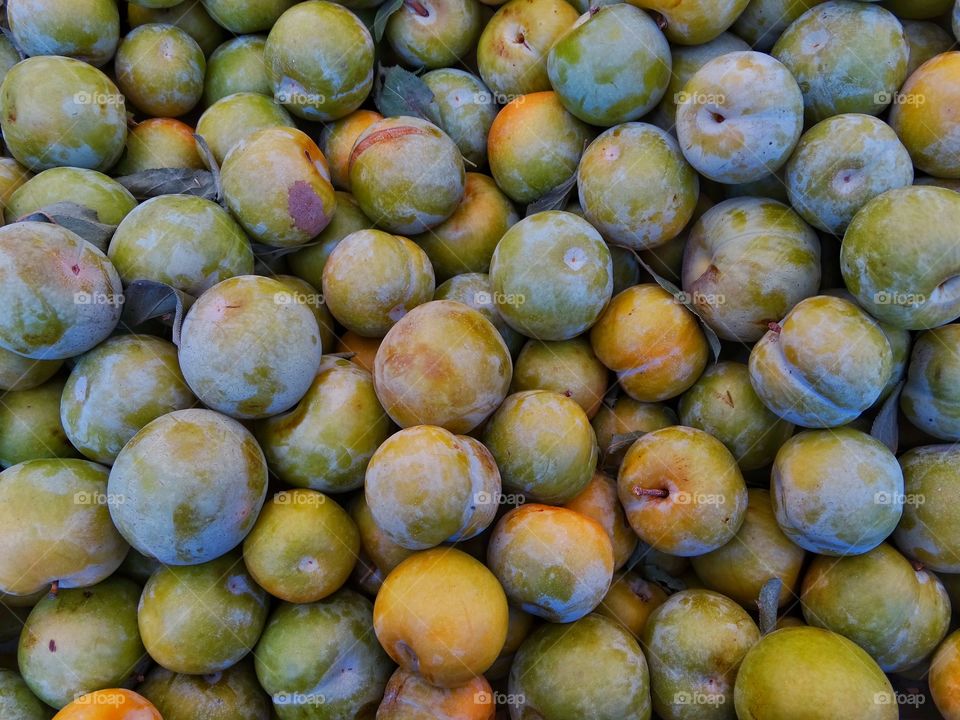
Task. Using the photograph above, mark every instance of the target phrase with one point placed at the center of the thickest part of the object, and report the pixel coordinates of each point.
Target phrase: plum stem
(775, 327)
(651, 492)
(54, 588)
(417, 7)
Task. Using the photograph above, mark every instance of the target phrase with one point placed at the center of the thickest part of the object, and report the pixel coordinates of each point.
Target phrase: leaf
(769, 603)
(555, 198)
(661, 577)
(211, 162)
(383, 14)
(343, 355)
(80, 219)
(399, 92)
(148, 299)
(170, 181)
(684, 299)
(885, 427)
(621, 441)
(269, 252)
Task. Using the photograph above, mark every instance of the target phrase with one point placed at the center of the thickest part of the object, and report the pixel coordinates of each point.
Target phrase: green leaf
(170, 181)
(383, 14)
(661, 577)
(684, 299)
(769, 603)
(621, 441)
(148, 299)
(885, 427)
(80, 219)
(399, 92)
(211, 162)
(555, 198)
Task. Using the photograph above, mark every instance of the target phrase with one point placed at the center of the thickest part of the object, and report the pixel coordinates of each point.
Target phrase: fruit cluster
(475, 359)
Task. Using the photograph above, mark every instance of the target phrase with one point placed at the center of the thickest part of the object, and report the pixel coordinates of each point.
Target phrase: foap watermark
(688, 498)
(299, 97)
(892, 498)
(499, 498)
(699, 698)
(85, 497)
(499, 298)
(899, 298)
(298, 699)
(698, 98)
(299, 498)
(98, 298)
(700, 298)
(85, 97)
(488, 97)
(898, 98)
(104, 698)
(911, 699)
(294, 297)
(499, 698)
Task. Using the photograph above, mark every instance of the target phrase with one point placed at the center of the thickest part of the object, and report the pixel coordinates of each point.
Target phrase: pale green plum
(928, 531)
(22, 373)
(822, 365)
(512, 50)
(188, 487)
(183, 241)
(424, 486)
(372, 279)
(833, 677)
(81, 640)
(316, 445)
(739, 117)
(746, 263)
(87, 30)
(434, 33)
(61, 295)
(236, 66)
(763, 21)
(544, 446)
(837, 492)
(626, 415)
(320, 59)
(321, 662)
(918, 9)
(464, 242)
(17, 700)
(307, 294)
(393, 185)
(276, 182)
(248, 349)
(247, 16)
(930, 397)
(590, 668)
(443, 364)
(475, 290)
(552, 275)
(59, 503)
(233, 694)
(758, 553)
(894, 611)
(848, 57)
(723, 403)
(682, 491)
(567, 367)
(926, 40)
(203, 618)
(686, 60)
(842, 163)
(105, 196)
(236, 117)
(467, 109)
(160, 70)
(188, 15)
(622, 83)
(694, 644)
(552, 562)
(534, 145)
(900, 259)
(696, 22)
(636, 187)
(30, 426)
(116, 389)
(57, 111)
